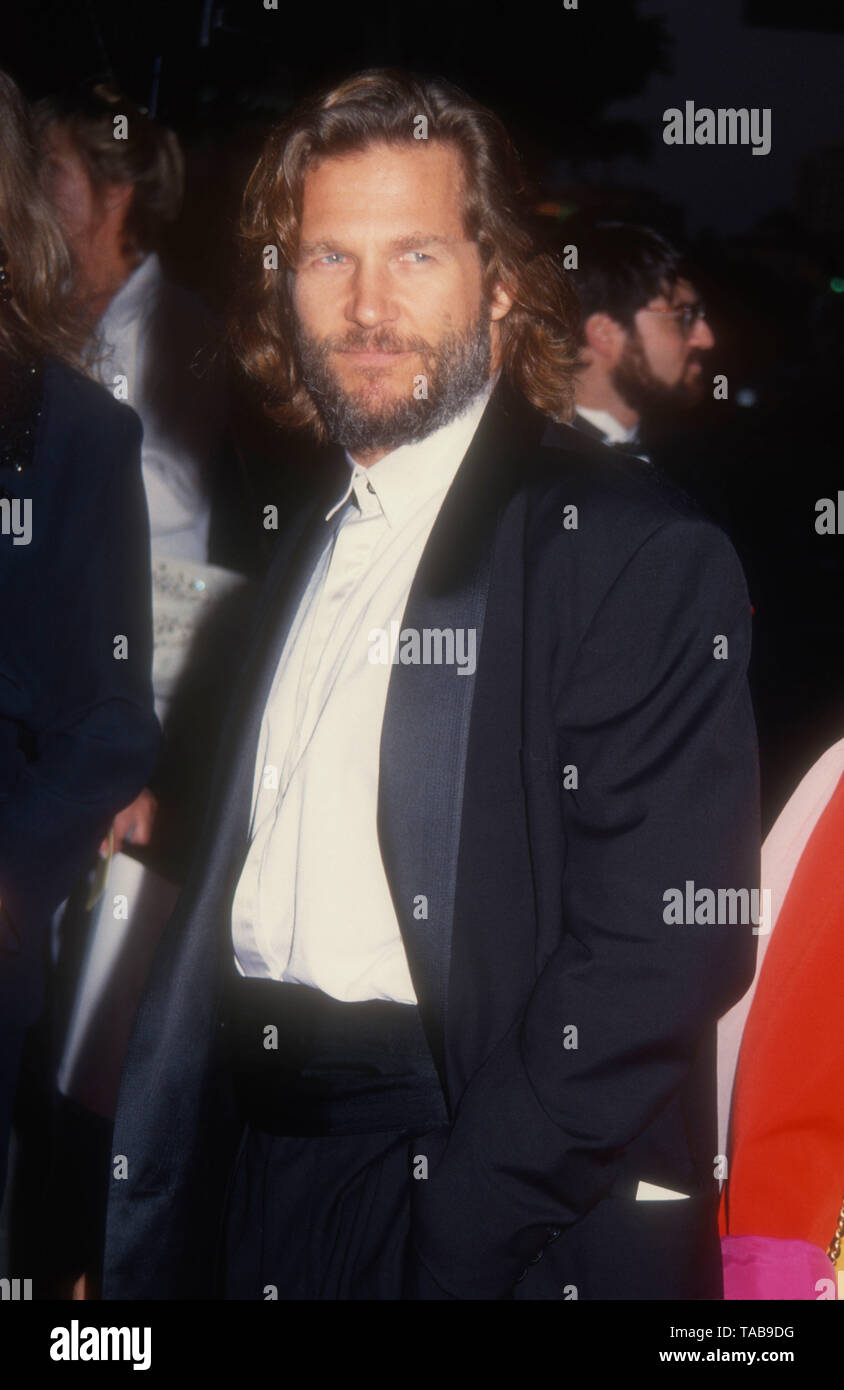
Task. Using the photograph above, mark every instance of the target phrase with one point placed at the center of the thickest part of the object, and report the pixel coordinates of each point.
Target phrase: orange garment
(786, 1175)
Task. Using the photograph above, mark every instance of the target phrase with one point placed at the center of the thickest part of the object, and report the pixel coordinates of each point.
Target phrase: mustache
(375, 340)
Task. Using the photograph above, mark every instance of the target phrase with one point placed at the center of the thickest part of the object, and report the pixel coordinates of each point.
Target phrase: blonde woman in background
(78, 735)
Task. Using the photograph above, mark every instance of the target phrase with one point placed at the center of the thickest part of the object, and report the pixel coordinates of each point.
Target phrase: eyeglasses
(687, 314)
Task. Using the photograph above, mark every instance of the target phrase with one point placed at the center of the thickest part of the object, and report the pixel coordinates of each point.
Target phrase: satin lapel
(425, 733)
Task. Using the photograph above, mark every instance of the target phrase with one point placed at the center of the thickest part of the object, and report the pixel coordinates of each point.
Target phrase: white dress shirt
(149, 335)
(612, 430)
(614, 433)
(313, 903)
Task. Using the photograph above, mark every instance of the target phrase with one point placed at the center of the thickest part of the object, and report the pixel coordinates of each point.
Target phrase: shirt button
(369, 486)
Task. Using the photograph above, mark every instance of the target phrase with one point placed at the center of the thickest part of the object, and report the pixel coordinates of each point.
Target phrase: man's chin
(692, 391)
(376, 388)
(369, 401)
(388, 377)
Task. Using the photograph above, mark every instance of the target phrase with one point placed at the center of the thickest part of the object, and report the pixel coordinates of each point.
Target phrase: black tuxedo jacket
(600, 755)
(78, 732)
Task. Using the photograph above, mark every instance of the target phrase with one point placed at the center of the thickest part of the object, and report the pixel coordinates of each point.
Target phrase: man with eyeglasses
(644, 332)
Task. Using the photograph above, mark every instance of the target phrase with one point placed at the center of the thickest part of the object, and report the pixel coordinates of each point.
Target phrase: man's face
(68, 186)
(660, 364)
(394, 334)
(91, 216)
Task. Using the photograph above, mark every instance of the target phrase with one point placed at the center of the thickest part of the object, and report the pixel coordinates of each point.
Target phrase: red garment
(786, 1176)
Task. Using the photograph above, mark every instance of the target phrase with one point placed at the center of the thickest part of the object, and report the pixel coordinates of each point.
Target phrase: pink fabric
(762, 1267)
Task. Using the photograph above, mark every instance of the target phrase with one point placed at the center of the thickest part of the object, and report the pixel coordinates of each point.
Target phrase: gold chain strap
(834, 1247)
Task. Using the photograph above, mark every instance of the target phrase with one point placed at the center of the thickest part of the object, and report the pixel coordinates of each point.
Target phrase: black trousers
(332, 1095)
(318, 1218)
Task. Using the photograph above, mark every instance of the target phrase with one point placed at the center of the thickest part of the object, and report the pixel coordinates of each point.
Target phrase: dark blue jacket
(78, 734)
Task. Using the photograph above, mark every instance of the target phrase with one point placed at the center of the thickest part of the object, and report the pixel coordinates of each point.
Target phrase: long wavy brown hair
(41, 317)
(538, 336)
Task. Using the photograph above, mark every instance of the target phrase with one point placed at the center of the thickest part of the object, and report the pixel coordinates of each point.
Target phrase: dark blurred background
(583, 91)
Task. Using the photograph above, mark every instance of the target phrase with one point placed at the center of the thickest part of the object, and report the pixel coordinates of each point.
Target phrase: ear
(604, 336)
(500, 303)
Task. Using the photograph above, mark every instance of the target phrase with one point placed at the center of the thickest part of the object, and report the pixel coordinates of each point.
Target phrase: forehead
(385, 189)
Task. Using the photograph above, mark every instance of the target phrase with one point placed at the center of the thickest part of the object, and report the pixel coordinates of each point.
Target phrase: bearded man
(643, 334)
(419, 1028)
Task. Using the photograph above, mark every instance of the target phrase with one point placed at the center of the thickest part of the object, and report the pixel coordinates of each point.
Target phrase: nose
(370, 302)
(702, 336)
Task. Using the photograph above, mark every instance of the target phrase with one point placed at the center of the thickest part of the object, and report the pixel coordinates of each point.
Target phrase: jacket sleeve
(655, 714)
(91, 727)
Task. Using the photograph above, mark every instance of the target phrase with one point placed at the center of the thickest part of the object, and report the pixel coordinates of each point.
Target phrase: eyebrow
(413, 242)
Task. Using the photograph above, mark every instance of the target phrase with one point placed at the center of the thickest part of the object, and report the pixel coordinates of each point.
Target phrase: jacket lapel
(425, 734)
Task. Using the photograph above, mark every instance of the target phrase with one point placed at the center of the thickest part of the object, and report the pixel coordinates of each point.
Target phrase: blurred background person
(113, 187)
(78, 735)
(644, 332)
(114, 177)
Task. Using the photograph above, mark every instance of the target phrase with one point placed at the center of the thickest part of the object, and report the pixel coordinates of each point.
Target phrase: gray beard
(455, 371)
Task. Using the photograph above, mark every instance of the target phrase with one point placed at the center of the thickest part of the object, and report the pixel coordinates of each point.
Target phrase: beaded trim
(21, 401)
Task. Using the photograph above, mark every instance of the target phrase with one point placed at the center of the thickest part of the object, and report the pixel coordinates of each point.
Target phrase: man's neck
(369, 456)
(596, 392)
(108, 275)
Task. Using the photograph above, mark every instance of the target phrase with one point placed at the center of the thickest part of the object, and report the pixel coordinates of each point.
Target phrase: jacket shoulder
(590, 510)
(86, 412)
(84, 427)
(611, 483)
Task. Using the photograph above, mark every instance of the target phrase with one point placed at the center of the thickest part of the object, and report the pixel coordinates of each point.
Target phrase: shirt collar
(402, 481)
(127, 303)
(615, 432)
